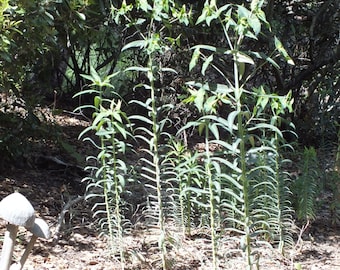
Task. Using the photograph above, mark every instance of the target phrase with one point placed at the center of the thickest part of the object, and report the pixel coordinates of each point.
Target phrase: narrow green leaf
(255, 24)
(135, 44)
(194, 59)
(205, 47)
(241, 69)
(266, 126)
(266, 58)
(242, 57)
(169, 70)
(226, 162)
(254, 5)
(97, 101)
(81, 15)
(231, 120)
(143, 5)
(282, 51)
(141, 118)
(206, 64)
(135, 68)
(121, 130)
(199, 99)
(95, 76)
(85, 92)
(243, 12)
(214, 130)
(88, 77)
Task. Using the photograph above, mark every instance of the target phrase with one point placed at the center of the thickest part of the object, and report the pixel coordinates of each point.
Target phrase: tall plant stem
(106, 194)
(185, 228)
(117, 202)
(211, 198)
(280, 205)
(156, 163)
(243, 177)
(105, 178)
(245, 183)
(186, 210)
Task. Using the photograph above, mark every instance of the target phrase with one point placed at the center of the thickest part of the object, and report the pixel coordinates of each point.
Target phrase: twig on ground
(66, 208)
(299, 243)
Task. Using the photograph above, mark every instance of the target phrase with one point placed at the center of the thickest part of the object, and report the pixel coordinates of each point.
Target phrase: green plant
(236, 121)
(152, 130)
(210, 189)
(276, 195)
(249, 193)
(305, 187)
(106, 185)
(188, 177)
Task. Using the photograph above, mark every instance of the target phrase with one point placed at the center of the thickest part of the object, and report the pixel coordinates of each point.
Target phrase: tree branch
(308, 73)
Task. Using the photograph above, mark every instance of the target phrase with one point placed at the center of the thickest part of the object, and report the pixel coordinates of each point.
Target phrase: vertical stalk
(280, 205)
(245, 184)
(183, 208)
(106, 192)
(117, 200)
(104, 175)
(211, 197)
(156, 162)
(188, 208)
(243, 177)
(279, 183)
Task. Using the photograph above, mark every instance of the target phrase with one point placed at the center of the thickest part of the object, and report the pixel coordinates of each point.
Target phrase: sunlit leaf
(244, 58)
(206, 64)
(135, 44)
(282, 51)
(194, 59)
(255, 24)
(263, 56)
(81, 15)
(214, 130)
